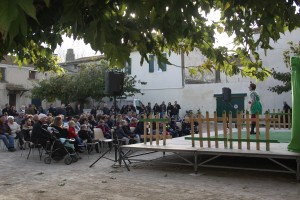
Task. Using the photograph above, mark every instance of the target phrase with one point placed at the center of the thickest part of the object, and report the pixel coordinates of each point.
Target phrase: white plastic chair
(132, 129)
(98, 134)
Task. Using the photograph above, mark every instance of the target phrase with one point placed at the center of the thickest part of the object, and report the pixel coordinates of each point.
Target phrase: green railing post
(295, 141)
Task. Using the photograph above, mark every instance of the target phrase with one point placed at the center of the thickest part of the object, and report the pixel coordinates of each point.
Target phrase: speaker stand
(115, 145)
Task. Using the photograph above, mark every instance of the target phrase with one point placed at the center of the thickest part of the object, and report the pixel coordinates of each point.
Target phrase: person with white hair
(15, 130)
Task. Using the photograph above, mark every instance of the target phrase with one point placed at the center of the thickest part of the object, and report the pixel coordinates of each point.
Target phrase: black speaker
(114, 82)
(226, 94)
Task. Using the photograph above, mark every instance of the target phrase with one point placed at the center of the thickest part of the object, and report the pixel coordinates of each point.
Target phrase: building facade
(204, 93)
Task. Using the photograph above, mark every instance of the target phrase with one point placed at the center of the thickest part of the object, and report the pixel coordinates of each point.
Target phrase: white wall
(167, 86)
(19, 76)
(157, 80)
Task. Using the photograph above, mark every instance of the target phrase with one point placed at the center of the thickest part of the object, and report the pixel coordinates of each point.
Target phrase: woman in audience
(27, 128)
(58, 125)
(15, 130)
(105, 129)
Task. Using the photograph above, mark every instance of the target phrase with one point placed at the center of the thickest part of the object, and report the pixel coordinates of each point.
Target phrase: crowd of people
(31, 123)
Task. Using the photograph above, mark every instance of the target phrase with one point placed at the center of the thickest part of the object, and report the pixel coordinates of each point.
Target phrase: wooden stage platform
(204, 156)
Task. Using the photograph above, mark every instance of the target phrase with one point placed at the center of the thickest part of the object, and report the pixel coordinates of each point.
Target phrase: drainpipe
(182, 68)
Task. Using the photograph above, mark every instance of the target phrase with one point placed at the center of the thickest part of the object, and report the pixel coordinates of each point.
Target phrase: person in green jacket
(255, 105)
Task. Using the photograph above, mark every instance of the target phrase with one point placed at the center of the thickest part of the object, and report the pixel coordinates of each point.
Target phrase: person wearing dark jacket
(39, 134)
(169, 109)
(52, 110)
(127, 131)
(121, 134)
(156, 109)
(5, 135)
(139, 129)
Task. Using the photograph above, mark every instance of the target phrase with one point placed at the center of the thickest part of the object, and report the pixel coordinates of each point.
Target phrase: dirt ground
(32, 179)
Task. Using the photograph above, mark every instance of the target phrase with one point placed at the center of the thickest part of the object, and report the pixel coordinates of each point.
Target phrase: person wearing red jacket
(72, 134)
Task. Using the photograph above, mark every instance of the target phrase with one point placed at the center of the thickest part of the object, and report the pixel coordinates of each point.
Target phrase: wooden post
(192, 130)
(216, 129)
(274, 119)
(224, 118)
(248, 120)
(239, 126)
(151, 129)
(284, 119)
(279, 123)
(257, 132)
(200, 129)
(164, 130)
(230, 130)
(267, 116)
(208, 128)
(145, 129)
(157, 134)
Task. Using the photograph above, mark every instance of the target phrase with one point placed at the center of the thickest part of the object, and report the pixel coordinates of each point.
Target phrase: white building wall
(19, 76)
(274, 59)
(167, 86)
(169, 79)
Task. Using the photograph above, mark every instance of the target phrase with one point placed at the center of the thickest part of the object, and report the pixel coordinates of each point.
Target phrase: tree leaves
(89, 82)
(28, 8)
(115, 28)
(285, 77)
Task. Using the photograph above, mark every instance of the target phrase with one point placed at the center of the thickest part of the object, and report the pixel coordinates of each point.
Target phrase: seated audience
(5, 135)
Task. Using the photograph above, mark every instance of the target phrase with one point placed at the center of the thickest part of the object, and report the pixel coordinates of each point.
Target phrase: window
(127, 68)
(154, 66)
(2, 75)
(32, 74)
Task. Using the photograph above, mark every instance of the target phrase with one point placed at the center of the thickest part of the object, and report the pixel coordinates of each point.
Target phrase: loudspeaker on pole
(226, 94)
(114, 82)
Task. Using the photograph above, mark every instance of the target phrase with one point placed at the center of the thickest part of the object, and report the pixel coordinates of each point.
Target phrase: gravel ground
(32, 179)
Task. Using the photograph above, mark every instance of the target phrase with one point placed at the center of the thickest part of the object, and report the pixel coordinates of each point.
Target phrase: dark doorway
(12, 99)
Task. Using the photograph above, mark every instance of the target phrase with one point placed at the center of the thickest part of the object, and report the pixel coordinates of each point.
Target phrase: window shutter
(128, 67)
(151, 63)
(2, 74)
(164, 65)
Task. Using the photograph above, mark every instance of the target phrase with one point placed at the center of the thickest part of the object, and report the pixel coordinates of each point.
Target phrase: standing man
(148, 109)
(69, 110)
(6, 109)
(163, 109)
(175, 111)
(52, 110)
(286, 107)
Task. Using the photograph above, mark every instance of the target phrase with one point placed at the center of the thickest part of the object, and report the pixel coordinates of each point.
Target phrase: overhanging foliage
(32, 29)
(89, 82)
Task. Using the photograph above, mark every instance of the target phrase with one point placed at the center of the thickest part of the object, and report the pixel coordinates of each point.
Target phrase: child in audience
(72, 134)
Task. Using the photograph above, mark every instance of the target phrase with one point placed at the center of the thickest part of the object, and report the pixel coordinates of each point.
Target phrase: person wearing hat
(5, 134)
(255, 105)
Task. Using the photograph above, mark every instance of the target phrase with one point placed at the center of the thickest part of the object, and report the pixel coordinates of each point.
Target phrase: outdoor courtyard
(33, 179)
